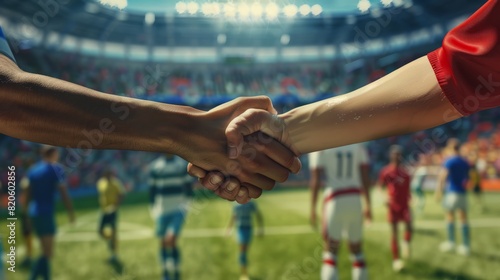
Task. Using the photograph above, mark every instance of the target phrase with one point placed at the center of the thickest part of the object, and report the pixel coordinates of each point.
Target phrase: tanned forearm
(46, 110)
(407, 100)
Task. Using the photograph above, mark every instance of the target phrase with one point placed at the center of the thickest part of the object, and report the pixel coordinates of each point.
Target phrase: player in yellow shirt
(111, 193)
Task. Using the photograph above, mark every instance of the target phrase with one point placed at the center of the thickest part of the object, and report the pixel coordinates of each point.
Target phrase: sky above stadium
(169, 6)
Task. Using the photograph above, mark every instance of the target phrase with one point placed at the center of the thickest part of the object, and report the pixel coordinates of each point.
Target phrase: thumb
(257, 102)
(250, 121)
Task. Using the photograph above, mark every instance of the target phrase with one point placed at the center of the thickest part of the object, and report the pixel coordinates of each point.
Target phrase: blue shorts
(170, 223)
(44, 225)
(244, 235)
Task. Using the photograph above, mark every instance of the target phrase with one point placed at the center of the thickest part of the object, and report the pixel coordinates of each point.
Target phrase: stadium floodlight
(149, 18)
(364, 6)
(386, 3)
(192, 7)
(316, 10)
(272, 10)
(243, 10)
(120, 4)
(215, 9)
(181, 7)
(290, 10)
(229, 10)
(305, 9)
(285, 39)
(206, 9)
(398, 3)
(256, 10)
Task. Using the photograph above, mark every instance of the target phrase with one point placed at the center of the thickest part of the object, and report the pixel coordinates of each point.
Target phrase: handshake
(239, 149)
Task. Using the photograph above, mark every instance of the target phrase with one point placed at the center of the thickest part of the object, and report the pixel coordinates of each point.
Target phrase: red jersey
(397, 181)
(467, 66)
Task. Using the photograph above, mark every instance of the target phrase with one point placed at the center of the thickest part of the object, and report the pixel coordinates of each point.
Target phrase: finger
(276, 152)
(257, 180)
(229, 189)
(196, 171)
(213, 180)
(243, 196)
(262, 164)
(253, 191)
(257, 102)
(250, 121)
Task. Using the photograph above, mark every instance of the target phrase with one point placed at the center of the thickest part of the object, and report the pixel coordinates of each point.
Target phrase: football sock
(359, 267)
(41, 268)
(164, 255)
(243, 259)
(176, 256)
(408, 236)
(451, 232)
(329, 267)
(394, 248)
(466, 234)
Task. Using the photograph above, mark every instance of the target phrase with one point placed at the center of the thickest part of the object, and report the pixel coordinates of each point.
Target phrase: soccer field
(290, 248)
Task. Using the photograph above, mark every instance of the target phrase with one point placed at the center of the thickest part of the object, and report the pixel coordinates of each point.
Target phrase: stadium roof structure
(165, 30)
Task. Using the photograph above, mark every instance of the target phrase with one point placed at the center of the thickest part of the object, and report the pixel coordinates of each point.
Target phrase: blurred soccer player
(242, 217)
(346, 170)
(417, 182)
(111, 193)
(170, 186)
(397, 180)
(45, 179)
(453, 179)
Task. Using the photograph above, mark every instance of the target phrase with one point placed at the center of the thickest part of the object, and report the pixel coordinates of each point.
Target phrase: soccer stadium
(420, 201)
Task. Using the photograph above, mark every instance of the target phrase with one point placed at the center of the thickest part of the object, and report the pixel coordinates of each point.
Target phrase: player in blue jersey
(170, 188)
(242, 217)
(453, 180)
(45, 179)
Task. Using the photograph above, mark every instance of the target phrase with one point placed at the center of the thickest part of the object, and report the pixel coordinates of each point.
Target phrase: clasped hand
(238, 152)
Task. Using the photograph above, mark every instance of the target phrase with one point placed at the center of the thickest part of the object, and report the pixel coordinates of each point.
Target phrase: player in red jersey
(397, 180)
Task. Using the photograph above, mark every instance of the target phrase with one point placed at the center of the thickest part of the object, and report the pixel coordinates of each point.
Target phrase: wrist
(285, 122)
(173, 128)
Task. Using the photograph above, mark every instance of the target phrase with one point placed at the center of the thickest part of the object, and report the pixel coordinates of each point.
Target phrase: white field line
(138, 232)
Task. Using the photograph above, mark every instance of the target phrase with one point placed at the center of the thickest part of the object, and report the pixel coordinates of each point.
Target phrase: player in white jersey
(170, 186)
(346, 170)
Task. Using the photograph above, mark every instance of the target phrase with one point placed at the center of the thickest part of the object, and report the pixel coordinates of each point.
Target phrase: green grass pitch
(290, 249)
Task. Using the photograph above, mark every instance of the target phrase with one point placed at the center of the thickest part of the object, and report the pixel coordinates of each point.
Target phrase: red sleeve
(467, 65)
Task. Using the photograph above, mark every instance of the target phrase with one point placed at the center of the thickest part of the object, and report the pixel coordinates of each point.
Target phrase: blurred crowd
(303, 81)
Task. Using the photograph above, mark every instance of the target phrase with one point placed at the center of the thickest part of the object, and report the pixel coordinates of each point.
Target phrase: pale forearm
(407, 100)
(51, 111)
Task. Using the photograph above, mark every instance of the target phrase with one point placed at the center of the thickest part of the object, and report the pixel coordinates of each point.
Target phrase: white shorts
(343, 218)
(455, 201)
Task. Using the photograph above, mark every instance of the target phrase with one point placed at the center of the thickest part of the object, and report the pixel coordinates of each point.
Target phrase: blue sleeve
(4, 46)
